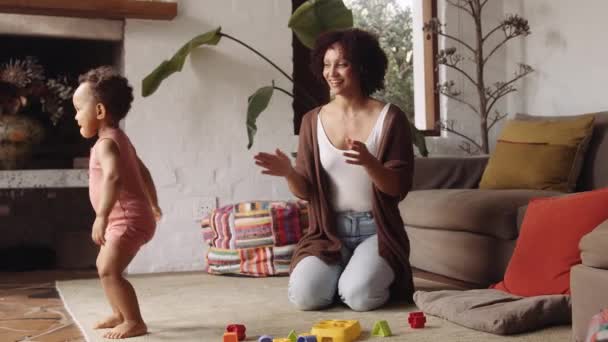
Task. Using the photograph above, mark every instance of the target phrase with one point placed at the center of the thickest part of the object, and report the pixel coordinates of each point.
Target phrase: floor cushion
(254, 238)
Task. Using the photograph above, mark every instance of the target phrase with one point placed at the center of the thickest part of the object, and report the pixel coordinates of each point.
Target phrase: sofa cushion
(594, 174)
(529, 166)
(479, 260)
(448, 172)
(548, 243)
(539, 154)
(487, 212)
(593, 247)
(494, 311)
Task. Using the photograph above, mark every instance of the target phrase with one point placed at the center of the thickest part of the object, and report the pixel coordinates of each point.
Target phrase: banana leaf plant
(309, 20)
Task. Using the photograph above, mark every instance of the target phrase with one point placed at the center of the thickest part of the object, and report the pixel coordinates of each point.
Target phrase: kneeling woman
(354, 165)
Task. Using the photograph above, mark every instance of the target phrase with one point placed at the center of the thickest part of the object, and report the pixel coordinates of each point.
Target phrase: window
(411, 76)
(425, 69)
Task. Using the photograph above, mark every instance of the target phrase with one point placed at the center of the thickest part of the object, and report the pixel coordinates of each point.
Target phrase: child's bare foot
(109, 322)
(127, 329)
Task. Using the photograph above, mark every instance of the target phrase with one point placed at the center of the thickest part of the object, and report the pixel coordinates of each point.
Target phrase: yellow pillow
(539, 154)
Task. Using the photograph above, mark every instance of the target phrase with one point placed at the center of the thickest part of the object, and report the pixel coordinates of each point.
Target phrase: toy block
(265, 338)
(239, 329)
(230, 337)
(307, 338)
(281, 340)
(416, 319)
(292, 336)
(381, 329)
(337, 330)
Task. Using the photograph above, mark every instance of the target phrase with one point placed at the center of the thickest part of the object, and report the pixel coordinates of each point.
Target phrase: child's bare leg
(116, 317)
(113, 261)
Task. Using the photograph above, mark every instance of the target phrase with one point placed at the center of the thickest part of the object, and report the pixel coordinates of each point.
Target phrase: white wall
(460, 24)
(568, 50)
(191, 132)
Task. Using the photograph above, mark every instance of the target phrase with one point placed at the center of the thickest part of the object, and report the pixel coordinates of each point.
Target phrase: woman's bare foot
(127, 329)
(109, 322)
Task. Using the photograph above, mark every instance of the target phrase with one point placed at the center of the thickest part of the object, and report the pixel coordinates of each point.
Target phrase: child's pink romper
(131, 220)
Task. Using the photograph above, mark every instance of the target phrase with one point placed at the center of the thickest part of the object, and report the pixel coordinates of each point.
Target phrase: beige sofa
(459, 231)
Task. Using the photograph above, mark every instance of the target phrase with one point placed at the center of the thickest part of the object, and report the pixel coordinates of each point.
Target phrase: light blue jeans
(362, 279)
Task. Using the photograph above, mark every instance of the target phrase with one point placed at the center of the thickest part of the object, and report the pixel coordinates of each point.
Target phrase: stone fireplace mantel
(26, 179)
(61, 27)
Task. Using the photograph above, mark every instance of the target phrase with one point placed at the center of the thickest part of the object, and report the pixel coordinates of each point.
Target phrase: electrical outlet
(203, 206)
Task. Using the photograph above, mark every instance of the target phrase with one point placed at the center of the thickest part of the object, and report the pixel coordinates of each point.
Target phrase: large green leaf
(418, 139)
(256, 105)
(175, 64)
(317, 16)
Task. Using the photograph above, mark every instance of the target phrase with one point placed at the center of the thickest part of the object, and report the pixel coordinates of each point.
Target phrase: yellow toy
(281, 340)
(337, 330)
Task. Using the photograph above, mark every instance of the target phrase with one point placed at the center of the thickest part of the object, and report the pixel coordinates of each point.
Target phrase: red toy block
(238, 329)
(416, 319)
(230, 337)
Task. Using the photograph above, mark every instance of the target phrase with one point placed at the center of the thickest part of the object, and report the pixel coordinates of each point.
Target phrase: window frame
(431, 77)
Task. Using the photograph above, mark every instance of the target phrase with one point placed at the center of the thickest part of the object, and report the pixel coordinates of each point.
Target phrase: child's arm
(150, 190)
(108, 156)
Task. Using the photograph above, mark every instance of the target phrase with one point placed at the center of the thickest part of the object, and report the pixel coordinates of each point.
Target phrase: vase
(18, 135)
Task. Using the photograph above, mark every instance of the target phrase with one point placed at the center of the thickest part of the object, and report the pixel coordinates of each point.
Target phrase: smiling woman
(354, 164)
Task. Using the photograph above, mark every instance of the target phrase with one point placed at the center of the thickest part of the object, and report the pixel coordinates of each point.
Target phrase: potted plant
(309, 20)
(29, 101)
(478, 53)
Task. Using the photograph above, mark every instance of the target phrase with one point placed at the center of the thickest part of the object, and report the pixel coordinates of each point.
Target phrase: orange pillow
(548, 242)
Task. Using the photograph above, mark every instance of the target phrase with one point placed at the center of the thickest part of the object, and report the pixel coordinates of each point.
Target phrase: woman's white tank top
(351, 186)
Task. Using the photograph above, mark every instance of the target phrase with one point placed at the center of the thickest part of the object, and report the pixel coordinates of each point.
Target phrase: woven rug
(197, 307)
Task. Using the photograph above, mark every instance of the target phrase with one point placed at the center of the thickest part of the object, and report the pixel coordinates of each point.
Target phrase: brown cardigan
(395, 151)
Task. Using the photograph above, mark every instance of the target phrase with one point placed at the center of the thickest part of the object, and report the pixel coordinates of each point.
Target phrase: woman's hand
(99, 230)
(360, 154)
(277, 164)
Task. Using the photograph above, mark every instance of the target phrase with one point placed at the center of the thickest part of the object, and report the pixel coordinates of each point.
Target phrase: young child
(122, 194)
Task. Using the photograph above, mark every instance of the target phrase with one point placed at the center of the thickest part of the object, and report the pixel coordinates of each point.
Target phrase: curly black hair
(110, 88)
(361, 49)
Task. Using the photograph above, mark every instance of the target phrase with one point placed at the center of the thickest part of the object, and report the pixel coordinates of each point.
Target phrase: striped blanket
(254, 238)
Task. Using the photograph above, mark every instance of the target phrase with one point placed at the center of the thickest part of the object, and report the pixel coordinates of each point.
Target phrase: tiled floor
(31, 310)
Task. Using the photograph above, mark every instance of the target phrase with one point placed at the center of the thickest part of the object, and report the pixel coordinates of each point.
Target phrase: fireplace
(46, 228)
(45, 213)
(62, 55)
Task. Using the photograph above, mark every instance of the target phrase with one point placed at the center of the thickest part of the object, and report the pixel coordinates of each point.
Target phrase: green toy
(381, 329)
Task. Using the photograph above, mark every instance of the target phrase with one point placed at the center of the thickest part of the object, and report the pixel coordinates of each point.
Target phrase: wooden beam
(107, 9)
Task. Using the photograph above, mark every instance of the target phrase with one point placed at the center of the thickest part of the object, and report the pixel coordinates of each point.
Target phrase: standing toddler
(122, 194)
